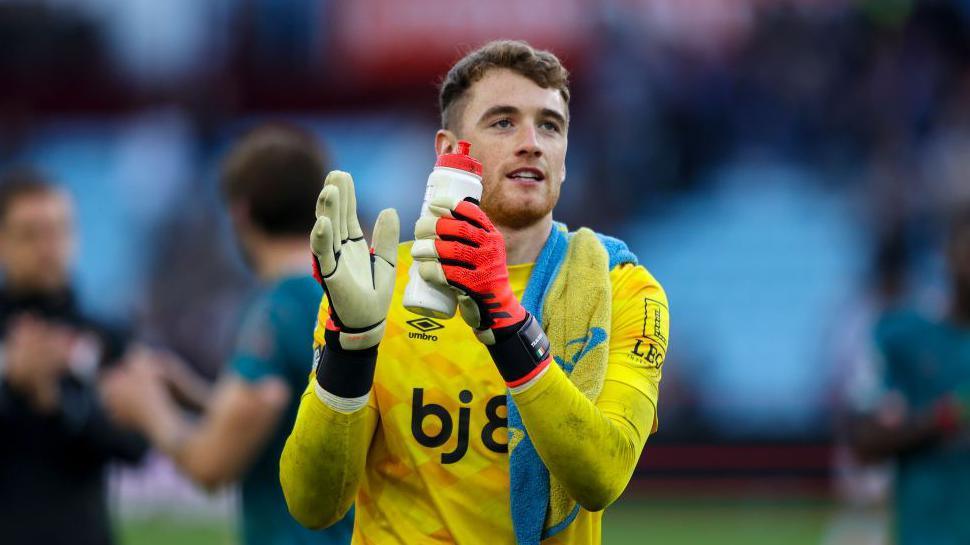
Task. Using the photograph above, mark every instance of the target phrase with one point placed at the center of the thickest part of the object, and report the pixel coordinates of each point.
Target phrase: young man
(458, 434)
(269, 178)
(921, 416)
(56, 438)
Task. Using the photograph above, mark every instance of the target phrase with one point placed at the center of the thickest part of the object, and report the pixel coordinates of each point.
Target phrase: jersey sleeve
(592, 448)
(639, 333)
(323, 460)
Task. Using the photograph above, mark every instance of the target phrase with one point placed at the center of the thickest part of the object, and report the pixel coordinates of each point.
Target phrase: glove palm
(358, 281)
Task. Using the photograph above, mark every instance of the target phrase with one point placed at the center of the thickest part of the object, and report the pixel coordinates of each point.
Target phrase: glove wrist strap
(346, 373)
(520, 352)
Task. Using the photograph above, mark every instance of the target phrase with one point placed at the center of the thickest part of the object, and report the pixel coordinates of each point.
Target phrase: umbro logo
(423, 325)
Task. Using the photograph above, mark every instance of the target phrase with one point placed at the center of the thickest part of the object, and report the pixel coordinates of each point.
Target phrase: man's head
(512, 103)
(270, 180)
(36, 233)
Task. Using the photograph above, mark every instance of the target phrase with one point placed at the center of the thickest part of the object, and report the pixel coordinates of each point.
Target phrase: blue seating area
(757, 270)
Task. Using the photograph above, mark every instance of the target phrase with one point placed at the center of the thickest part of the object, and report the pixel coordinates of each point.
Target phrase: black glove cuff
(522, 348)
(346, 373)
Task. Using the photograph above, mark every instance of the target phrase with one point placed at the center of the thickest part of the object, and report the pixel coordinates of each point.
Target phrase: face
(37, 242)
(518, 131)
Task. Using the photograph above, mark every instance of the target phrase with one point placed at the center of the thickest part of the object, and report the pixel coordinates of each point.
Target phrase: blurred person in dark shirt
(920, 416)
(267, 180)
(55, 438)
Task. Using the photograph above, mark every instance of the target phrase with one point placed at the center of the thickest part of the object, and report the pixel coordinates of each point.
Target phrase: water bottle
(457, 175)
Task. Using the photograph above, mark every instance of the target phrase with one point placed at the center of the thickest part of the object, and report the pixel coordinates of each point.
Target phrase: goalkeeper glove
(458, 246)
(358, 282)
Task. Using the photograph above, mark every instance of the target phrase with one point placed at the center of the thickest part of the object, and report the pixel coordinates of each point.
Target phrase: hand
(951, 413)
(459, 247)
(134, 392)
(37, 354)
(358, 281)
(189, 389)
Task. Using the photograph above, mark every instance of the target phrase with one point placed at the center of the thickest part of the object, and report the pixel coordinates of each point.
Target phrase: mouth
(527, 175)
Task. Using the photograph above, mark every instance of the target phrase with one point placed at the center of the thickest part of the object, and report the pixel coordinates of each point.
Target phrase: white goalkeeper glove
(358, 281)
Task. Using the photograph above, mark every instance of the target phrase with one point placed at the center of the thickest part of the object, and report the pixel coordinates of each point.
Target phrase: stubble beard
(516, 214)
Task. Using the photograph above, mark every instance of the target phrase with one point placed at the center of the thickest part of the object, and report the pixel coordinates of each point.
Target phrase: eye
(504, 123)
(550, 126)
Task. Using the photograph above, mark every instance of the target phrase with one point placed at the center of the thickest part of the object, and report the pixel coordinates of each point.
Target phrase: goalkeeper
(522, 427)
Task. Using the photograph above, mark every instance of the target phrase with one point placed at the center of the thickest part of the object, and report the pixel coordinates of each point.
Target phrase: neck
(275, 258)
(523, 245)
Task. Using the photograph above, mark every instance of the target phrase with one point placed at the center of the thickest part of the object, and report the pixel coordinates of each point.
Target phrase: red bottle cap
(460, 160)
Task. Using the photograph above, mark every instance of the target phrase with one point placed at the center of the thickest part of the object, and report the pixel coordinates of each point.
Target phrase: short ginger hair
(542, 67)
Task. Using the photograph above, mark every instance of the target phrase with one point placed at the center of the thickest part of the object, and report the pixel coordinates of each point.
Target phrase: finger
(387, 235)
(350, 210)
(432, 273)
(457, 276)
(330, 208)
(340, 180)
(321, 197)
(453, 251)
(469, 211)
(321, 243)
(460, 230)
(425, 227)
(442, 205)
(424, 250)
(333, 206)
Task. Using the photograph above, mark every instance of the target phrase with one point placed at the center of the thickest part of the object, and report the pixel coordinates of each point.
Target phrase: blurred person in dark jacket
(267, 180)
(920, 416)
(56, 438)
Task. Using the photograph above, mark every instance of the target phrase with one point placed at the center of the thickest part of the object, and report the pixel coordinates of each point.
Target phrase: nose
(528, 145)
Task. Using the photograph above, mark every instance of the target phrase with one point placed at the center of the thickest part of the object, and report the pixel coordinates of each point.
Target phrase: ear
(445, 141)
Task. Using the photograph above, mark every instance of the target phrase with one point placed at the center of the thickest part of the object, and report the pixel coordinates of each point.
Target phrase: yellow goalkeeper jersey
(437, 467)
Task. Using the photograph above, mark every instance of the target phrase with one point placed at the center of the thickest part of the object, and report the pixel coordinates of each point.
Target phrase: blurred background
(782, 167)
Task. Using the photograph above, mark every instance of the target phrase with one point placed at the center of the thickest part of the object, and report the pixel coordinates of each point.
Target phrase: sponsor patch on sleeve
(651, 347)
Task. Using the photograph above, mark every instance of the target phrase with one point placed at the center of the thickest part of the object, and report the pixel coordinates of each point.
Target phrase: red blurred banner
(413, 42)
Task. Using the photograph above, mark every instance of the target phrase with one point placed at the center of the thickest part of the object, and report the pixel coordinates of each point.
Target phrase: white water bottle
(456, 175)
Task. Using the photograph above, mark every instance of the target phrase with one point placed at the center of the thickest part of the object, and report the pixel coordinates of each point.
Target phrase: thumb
(386, 233)
(469, 311)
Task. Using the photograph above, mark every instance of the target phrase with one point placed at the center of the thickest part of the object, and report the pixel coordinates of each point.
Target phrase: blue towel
(529, 477)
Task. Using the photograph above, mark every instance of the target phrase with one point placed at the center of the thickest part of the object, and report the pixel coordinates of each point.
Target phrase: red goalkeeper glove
(460, 247)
